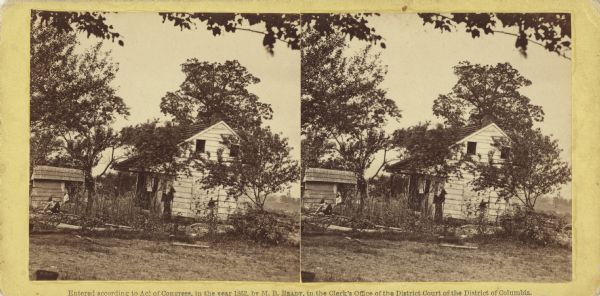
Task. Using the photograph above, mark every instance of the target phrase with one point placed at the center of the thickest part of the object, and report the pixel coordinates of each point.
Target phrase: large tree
(211, 89)
(262, 167)
(533, 169)
(488, 91)
(344, 104)
(72, 102)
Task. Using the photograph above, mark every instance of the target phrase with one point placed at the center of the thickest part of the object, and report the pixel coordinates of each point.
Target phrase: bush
(262, 227)
(535, 227)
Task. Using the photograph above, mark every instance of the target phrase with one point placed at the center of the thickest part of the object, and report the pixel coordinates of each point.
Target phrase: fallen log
(190, 245)
(77, 227)
(348, 229)
(124, 227)
(395, 229)
(459, 246)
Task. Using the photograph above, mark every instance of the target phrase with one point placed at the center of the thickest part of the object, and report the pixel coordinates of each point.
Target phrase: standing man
(167, 200)
(439, 200)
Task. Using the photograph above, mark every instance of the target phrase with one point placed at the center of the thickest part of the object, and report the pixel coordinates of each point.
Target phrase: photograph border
(14, 91)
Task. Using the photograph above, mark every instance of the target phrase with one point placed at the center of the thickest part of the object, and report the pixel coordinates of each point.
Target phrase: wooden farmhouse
(461, 202)
(190, 199)
(53, 182)
(324, 184)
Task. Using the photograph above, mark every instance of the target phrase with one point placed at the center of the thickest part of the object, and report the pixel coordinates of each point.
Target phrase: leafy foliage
(283, 27)
(262, 227)
(92, 23)
(534, 169)
(72, 101)
(154, 146)
(313, 149)
(344, 109)
(488, 91)
(534, 227)
(216, 88)
(263, 166)
(63, 80)
(550, 30)
(428, 149)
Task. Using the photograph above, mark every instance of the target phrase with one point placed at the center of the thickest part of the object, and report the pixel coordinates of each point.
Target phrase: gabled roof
(458, 136)
(43, 172)
(195, 130)
(329, 176)
(186, 133)
(469, 131)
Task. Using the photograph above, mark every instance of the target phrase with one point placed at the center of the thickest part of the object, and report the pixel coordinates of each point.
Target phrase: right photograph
(439, 150)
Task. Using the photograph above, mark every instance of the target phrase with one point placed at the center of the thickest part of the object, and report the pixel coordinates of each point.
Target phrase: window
(471, 148)
(200, 144)
(234, 151)
(504, 152)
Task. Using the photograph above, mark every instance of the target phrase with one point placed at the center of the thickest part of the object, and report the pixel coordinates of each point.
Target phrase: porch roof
(329, 176)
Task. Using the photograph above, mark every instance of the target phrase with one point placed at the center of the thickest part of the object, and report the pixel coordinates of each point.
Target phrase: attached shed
(53, 182)
(324, 184)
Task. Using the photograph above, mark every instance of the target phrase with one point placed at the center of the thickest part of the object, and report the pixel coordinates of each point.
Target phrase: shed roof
(43, 172)
(329, 176)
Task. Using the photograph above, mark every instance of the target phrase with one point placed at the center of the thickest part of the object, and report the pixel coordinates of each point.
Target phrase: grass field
(334, 258)
(132, 259)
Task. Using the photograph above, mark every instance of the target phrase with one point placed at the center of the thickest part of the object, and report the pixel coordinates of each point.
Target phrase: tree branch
(262, 33)
(532, 41)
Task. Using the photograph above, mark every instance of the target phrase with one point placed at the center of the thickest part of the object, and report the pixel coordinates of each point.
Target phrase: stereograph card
(307, 148)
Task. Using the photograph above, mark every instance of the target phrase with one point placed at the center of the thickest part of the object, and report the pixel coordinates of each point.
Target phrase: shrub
(261, 226)
(534, 227)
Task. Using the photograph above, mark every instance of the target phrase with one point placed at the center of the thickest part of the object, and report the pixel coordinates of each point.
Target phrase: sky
(419, 59)
(150, 66)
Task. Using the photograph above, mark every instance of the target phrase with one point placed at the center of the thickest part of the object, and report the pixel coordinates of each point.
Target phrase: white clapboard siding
(462, 201)
(485, 142)
(214, 140)
(191, 200)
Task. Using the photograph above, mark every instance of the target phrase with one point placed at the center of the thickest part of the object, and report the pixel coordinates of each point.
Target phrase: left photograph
(164, 146)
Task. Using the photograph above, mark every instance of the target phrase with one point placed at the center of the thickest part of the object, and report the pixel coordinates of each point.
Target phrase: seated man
(324, 208)
(52, 206)
(328, 210)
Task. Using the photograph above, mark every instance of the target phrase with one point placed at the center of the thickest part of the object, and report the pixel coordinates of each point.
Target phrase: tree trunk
(529, 203)
(89, 189)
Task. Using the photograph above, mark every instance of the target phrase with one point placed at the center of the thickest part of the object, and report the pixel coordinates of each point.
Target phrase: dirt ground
(334, 258)
(132, 259)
